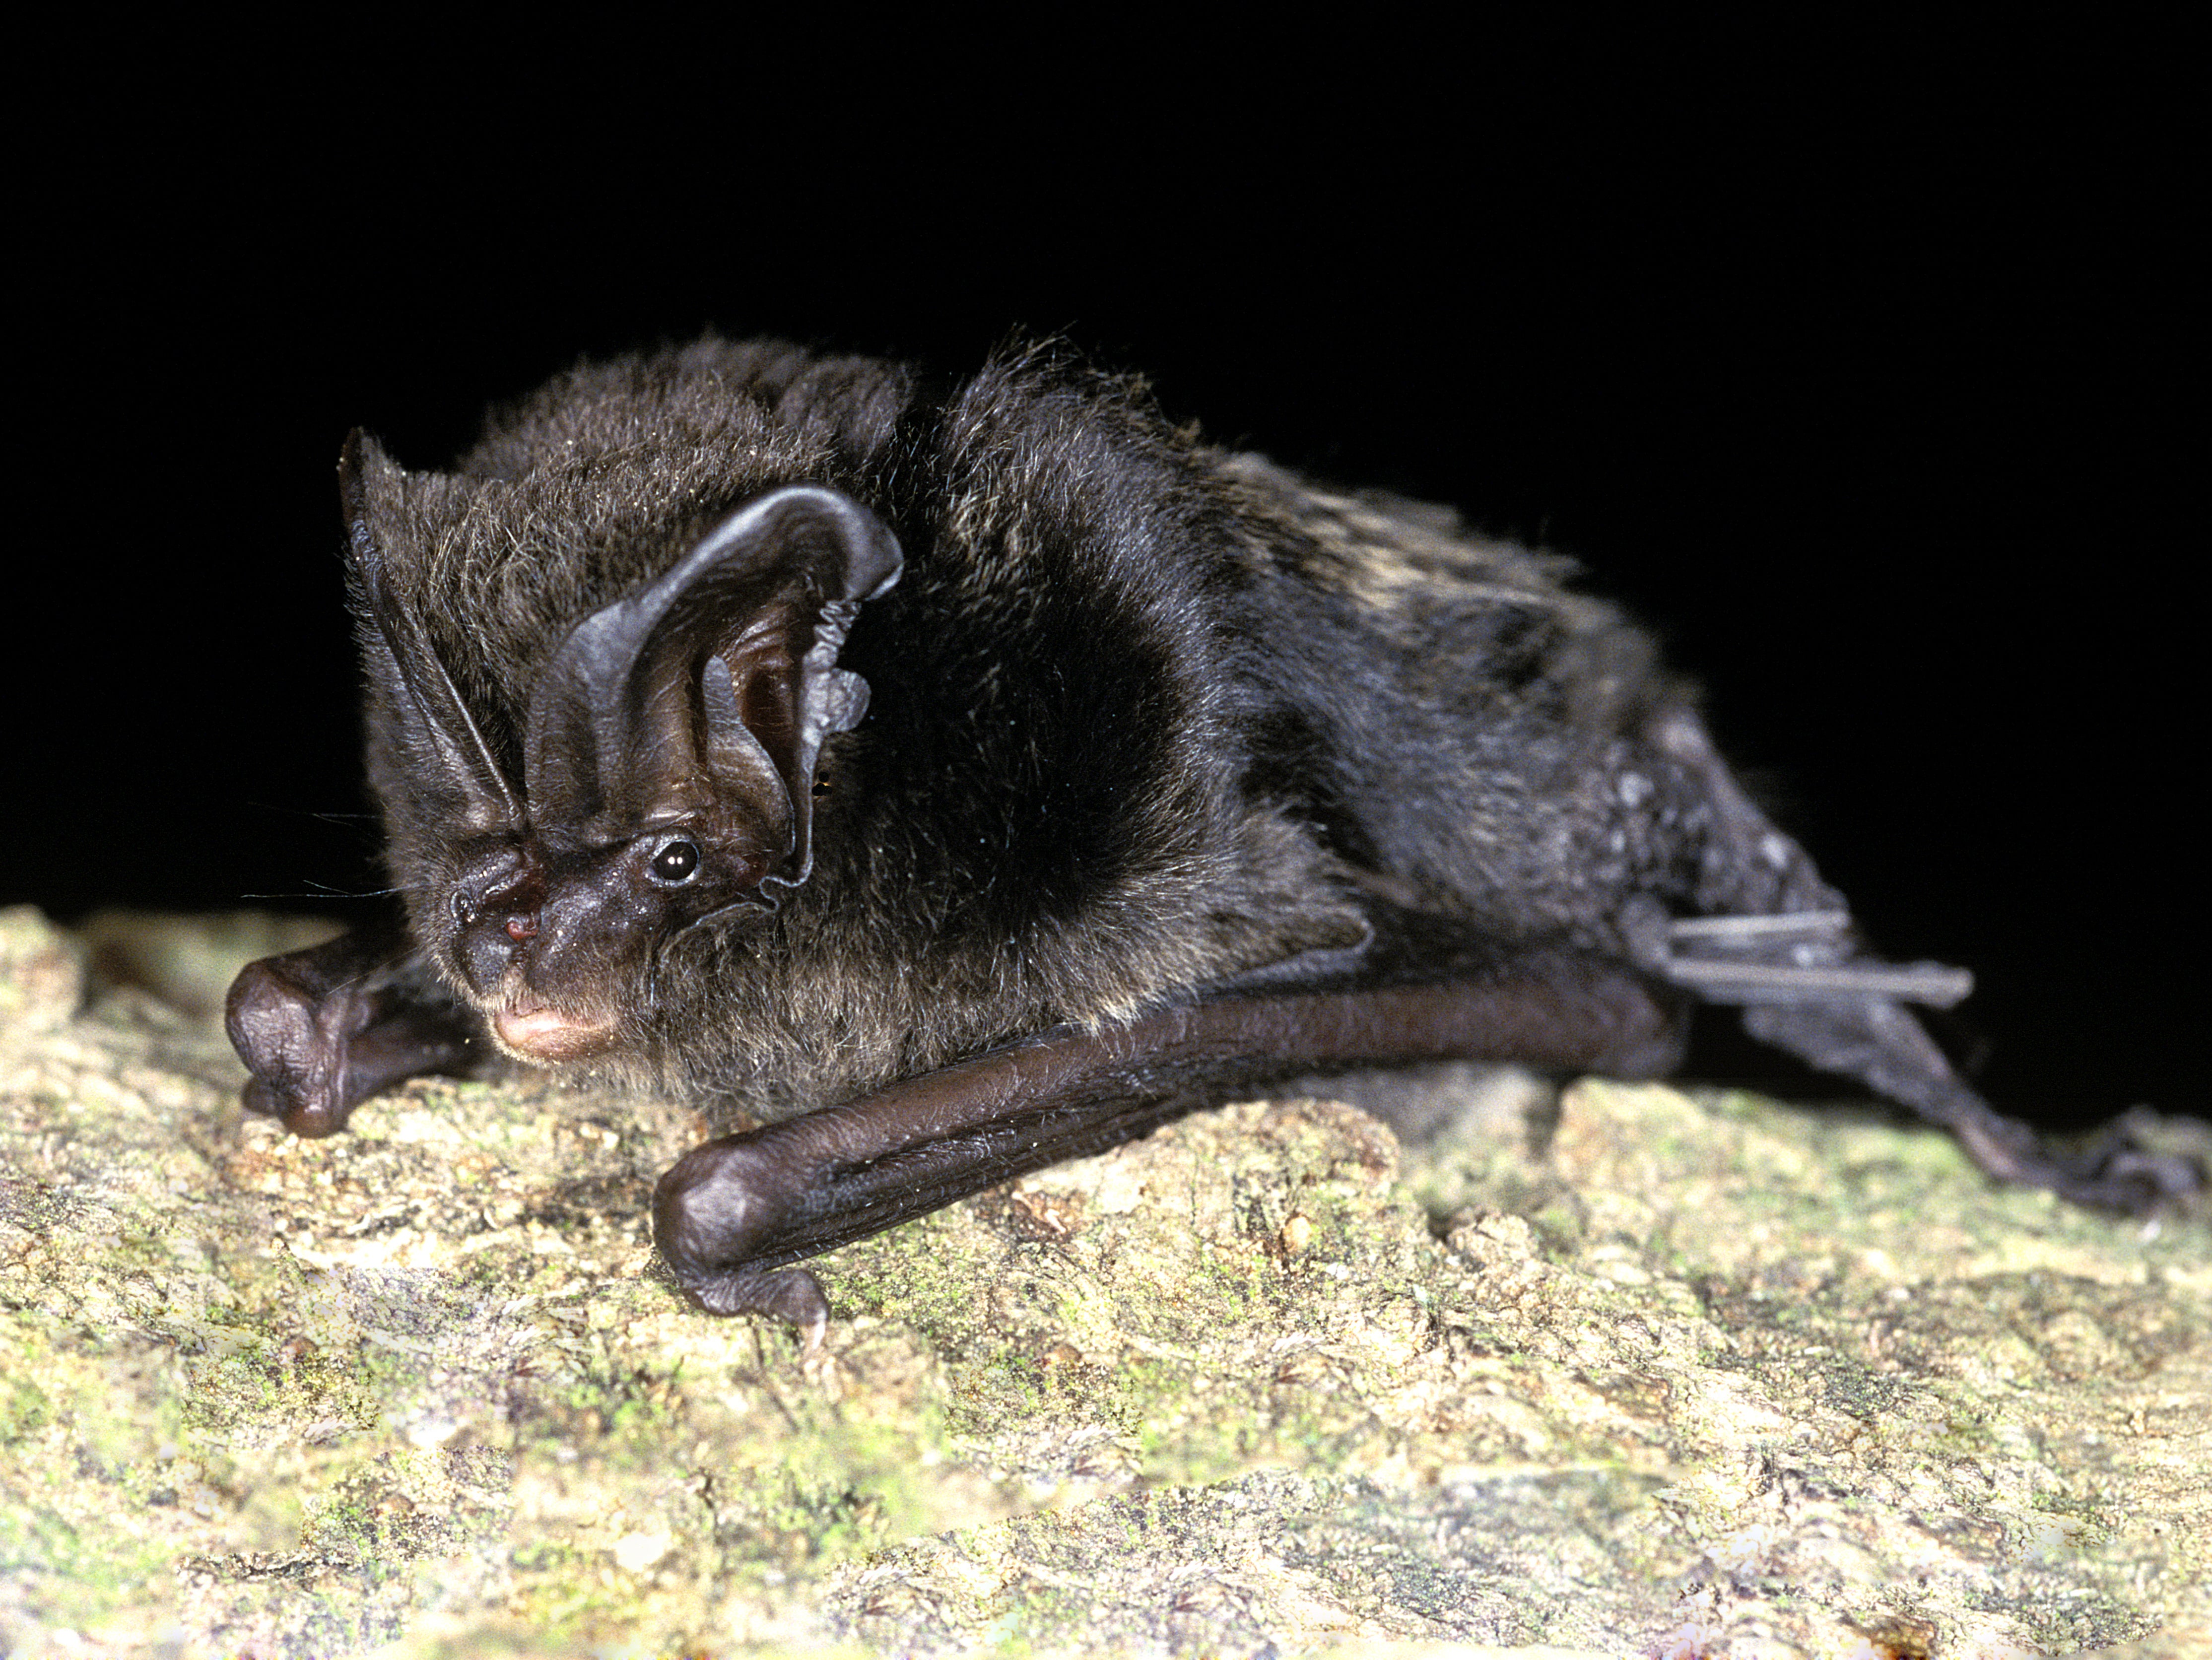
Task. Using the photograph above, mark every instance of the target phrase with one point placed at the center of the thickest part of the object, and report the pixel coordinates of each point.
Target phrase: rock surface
(1645, 1374)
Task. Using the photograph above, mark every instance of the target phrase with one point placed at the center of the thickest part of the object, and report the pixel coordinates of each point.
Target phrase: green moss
(298, 1396)
(24, 1409)
(68, 1579)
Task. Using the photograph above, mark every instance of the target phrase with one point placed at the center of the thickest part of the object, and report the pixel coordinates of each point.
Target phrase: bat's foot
(1875, 1040)
(2116, 1170)
(321, 1030)
(294, 1037)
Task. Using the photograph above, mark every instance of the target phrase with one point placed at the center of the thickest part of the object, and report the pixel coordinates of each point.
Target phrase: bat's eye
(675, 863)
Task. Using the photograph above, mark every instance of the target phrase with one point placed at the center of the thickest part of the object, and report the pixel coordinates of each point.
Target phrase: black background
(1867, 372)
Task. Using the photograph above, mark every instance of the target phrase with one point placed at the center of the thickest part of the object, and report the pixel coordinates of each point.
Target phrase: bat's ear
(703, 697)
(454, 778)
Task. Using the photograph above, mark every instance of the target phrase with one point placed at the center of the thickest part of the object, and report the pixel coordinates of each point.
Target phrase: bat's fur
(956, 780)
(1146, 715)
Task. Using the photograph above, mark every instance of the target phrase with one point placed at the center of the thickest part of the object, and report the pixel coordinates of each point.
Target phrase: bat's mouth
(537, 1031)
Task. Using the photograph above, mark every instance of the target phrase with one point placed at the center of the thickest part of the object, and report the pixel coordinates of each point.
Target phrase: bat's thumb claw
(791, 1295)
(820, 1367)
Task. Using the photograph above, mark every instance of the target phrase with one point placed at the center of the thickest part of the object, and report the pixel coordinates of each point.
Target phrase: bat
(949, 778)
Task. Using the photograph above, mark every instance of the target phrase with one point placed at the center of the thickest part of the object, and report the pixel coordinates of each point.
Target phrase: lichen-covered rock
(1645, 1375)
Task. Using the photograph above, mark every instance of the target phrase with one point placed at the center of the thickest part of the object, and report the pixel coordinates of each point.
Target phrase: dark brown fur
(1149, 723)
(1248, 793)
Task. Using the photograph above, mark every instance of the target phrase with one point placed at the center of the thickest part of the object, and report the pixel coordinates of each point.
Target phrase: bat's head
(668, 764)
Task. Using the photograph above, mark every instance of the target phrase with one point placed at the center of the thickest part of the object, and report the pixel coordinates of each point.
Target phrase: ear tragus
(449, 762)
(706, 693)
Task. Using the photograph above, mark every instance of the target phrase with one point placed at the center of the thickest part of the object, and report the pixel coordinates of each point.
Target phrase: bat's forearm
(736, 1209)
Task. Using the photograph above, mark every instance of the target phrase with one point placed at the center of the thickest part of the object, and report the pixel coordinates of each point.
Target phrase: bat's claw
(820, 1368)
(791, 1295)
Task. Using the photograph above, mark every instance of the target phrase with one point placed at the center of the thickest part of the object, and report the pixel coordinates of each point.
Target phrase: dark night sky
(1873, 391)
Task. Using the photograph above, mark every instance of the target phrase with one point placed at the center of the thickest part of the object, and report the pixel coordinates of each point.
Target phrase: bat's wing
(1780, 946)
(733, 1211)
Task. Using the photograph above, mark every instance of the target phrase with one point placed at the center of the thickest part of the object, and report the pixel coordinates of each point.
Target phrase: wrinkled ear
(704, 697)
(450, 767)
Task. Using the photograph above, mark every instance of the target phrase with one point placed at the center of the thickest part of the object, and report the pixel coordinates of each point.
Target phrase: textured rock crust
(1649, 1374)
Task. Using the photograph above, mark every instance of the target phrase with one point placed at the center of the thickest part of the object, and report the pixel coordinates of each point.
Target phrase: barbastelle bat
(964, 777)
